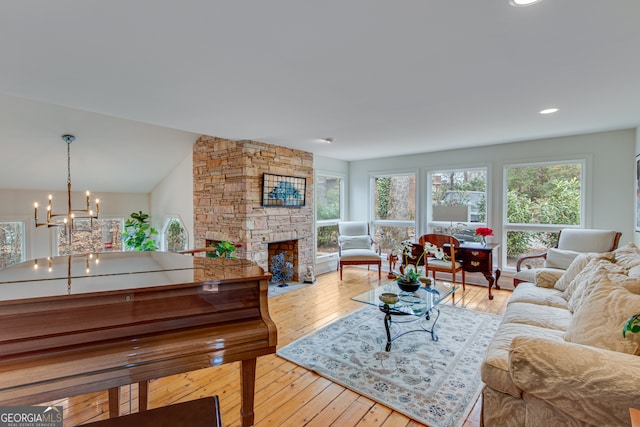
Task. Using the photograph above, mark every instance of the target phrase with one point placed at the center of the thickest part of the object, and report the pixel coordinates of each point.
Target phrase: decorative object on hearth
(283, 191)
(67, 219)
(484, 232)
(309, 277)
(281, 269)
(434, 383)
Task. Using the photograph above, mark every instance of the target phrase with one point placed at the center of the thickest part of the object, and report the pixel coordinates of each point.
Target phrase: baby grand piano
(77, 324)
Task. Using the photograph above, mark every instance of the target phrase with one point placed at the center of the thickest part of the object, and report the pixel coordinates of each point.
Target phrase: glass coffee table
(416, 306)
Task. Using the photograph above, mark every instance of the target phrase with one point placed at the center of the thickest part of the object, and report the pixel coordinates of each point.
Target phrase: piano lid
(114, 271)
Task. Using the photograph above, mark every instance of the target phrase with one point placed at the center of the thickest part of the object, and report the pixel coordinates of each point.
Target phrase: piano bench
(204, 412)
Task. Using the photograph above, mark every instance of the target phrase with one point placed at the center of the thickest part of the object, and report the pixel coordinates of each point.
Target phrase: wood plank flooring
(286, 394)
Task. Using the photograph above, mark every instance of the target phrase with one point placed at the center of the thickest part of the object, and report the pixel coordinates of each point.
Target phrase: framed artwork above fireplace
(283, 190)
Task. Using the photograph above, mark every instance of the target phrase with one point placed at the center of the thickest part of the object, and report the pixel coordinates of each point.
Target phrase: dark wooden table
(478, 258)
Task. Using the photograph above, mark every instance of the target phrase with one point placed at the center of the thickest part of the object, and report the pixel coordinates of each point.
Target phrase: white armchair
(356, 246)
(571, 242)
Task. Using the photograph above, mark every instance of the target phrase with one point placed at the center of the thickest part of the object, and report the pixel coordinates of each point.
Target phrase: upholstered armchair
(357, 247)
(571, 242)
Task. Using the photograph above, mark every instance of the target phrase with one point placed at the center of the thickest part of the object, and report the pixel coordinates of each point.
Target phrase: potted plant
(224, 249)
(408, 278)
(632, 325)
(138, 233)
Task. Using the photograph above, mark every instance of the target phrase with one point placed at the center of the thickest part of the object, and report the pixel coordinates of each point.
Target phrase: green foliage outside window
(549, 194)
(176, 236)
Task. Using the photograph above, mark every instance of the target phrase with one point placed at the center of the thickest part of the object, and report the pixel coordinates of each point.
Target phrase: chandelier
(67, 219)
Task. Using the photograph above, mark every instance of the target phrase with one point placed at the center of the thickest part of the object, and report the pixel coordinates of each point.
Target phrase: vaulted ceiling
(137, 81)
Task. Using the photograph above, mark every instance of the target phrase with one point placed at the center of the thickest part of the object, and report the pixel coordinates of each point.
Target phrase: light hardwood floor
(286, 394)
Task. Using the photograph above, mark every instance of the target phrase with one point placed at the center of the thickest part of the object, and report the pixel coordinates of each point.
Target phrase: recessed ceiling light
(328, 140)
(549, 111)
(522, 2)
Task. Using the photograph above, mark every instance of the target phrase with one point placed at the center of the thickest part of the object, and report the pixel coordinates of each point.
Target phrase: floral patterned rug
(435, 383)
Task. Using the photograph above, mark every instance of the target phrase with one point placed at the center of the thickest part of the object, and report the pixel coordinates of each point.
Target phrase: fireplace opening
(286, 256)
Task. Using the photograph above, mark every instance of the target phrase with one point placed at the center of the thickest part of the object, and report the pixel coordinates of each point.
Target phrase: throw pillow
(560, 258)
(356, 242)
(602, 274)
(600, 319)
(589, 275)
(546, 278)
(627, 256)
(577, 265)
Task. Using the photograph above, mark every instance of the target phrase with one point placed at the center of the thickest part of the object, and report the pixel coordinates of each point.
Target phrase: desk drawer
(475, 260)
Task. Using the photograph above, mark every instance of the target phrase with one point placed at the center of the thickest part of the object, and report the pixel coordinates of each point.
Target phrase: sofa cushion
(530, 293)
(589, 274)
(547, 277)
(542, 316)
(576, 267)
(359, 255)
(600, 319)
(495, 368)
(560, 258)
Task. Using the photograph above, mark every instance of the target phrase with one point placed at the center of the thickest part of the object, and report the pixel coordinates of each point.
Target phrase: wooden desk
(478, 258)
(78, 324)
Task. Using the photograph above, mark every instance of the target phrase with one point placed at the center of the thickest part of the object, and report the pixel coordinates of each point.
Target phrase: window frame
(23, 237)
(389, 222)
(430, 223)
(166, 223)
(328, 222)
(585, 206)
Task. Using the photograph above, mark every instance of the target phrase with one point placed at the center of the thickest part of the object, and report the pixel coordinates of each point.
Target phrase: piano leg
(248, 385)
(143, 393)
(114, 402)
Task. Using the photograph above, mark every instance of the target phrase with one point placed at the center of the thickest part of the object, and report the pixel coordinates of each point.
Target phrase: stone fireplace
(227, 188)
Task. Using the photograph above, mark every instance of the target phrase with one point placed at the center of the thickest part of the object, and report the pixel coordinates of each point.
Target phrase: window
(394, 209)
(328, 213)
(175, 235)
(457, 188)
(95, 236)
(11, 243)
(541, 199)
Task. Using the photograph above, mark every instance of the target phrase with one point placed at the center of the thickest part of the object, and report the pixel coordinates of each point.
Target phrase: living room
(135, 141)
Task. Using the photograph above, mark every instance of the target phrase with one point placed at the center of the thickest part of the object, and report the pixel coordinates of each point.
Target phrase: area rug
(435, 383)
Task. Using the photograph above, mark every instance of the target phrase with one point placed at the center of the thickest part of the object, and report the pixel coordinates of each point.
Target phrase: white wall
(636, 205)
(17, 205)
(173, 196)
(610, 175)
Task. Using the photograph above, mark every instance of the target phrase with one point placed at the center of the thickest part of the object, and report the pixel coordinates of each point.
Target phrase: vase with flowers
(409, 275)
(483, 233)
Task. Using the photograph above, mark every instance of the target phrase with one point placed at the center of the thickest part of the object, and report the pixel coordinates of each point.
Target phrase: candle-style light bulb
(97, 206)
(35, 205)
(88, 198)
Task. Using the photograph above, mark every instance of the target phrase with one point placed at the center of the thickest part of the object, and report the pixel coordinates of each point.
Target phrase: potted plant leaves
(138, 233)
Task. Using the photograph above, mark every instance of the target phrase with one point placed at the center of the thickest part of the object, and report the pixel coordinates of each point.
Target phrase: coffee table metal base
(388, 312)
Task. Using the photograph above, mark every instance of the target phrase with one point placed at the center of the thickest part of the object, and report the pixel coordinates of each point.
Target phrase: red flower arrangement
(484, 231)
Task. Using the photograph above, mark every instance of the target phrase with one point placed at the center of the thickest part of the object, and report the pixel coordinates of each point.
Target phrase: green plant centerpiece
(138, 233)
(409, 275)
(223, 249)
(632, 325)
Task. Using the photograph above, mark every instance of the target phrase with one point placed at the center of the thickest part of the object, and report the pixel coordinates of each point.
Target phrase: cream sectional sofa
(559, 357)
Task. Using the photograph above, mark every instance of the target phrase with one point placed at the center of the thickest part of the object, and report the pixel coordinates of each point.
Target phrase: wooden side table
(478, 258)
(635, 417)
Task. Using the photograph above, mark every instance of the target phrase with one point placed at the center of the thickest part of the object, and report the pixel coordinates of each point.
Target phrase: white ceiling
(138, 80)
